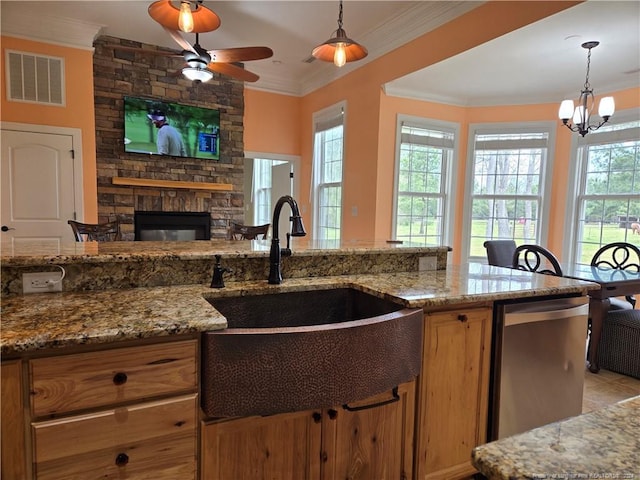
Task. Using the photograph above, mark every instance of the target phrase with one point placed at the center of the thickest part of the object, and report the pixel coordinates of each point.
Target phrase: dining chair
(96, 232)
(535, 258)
(248, 232)
(500, 252)
(621, 256)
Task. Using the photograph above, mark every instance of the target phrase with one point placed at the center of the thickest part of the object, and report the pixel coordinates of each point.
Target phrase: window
(262, 191)
(607, 195)
(423, 164)
(327, 161)
(506, 182)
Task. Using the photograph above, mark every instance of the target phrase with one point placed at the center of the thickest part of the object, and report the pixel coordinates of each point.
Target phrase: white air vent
(35, 78)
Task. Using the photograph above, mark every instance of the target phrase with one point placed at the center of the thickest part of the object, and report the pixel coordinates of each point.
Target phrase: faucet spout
(297, 230)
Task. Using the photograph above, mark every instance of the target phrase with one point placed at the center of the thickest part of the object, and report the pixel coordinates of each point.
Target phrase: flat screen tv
(163, 128)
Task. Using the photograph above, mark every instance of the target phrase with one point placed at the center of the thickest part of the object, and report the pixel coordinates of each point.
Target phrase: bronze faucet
(297, 230)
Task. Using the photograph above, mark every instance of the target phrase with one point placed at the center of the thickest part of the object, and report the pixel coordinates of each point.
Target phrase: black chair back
(500, 252)
(618, 256)
(248, 232)
(97, 232)
(534, 258)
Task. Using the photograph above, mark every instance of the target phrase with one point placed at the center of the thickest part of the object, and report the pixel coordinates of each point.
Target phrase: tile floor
(607, 387)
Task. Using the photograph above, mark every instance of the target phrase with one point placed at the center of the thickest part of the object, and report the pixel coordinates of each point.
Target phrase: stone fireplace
(136, 182)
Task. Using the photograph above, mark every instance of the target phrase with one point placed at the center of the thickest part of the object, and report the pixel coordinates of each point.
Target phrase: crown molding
(50, 30)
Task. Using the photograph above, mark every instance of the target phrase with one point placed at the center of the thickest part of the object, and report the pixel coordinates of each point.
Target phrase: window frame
(326, 115)
(577, 178)
(546, 176)
(449, 166)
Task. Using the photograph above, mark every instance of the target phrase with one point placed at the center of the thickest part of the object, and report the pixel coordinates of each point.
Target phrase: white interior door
(38, 194)
(282, 184)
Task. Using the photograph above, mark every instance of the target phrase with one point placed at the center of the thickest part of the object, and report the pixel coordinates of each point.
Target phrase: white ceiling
(539, 63)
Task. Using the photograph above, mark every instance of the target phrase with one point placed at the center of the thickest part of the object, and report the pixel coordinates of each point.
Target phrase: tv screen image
(164, 128)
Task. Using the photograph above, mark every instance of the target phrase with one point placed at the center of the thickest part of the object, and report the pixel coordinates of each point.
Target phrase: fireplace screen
(172, 226)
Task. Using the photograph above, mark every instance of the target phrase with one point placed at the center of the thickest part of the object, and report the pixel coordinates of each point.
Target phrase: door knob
(4, 228)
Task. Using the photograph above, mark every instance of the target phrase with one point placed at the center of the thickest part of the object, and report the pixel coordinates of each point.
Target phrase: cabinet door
(148, 441)
(453, 392)
(371, 443)
(283, 447)
(13, 442)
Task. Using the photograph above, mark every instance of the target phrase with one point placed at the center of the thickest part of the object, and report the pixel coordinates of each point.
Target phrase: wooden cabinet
(374, 442)
(14, 465)
(453, 391)
(122, 413)
(371, 443)
(94, 379)
(149, 440)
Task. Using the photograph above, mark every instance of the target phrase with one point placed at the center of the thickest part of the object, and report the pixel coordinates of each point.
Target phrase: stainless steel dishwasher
(538, 363)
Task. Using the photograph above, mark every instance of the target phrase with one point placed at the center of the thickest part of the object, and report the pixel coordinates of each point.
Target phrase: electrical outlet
(427, 263)
(41, 282)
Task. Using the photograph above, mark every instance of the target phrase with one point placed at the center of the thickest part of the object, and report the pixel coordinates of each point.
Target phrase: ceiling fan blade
(179, 39)
(240, 54)
(233, 71)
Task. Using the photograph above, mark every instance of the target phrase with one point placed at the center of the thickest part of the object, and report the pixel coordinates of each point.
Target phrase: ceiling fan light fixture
(339, 49)
(197, 74)
(580, 116)
(175, 15)
(185, 18)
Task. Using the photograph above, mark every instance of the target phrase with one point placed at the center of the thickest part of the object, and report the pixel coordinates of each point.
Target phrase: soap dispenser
(218, 281)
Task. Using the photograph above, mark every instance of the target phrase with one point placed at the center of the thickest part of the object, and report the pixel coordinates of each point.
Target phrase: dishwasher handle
(516, 318)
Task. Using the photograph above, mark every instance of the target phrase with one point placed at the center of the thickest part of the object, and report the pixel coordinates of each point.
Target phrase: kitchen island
(600, 444)
(119, 351)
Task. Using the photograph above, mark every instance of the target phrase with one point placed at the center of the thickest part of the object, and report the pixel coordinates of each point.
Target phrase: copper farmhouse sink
(300, 350)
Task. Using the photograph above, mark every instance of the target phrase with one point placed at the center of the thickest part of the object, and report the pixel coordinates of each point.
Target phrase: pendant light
(339, 49)
(581, 115)
(186, 16)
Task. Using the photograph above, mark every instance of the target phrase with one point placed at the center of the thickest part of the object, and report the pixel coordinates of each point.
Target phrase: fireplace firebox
(172, 226)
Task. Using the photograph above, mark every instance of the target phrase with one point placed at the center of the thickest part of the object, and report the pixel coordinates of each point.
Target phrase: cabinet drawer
(95, 379)
(153, 440)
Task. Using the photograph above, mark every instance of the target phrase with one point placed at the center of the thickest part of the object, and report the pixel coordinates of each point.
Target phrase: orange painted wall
(366, 145)
(78, 112)
(271, 123)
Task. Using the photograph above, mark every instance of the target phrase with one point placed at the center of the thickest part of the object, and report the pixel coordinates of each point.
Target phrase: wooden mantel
(147, 182)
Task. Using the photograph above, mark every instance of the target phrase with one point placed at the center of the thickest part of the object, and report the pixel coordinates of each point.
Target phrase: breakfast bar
(124, 369)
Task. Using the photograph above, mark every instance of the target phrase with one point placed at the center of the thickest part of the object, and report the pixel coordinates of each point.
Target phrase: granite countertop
(36, 253)
(57, 320)
(601, 444)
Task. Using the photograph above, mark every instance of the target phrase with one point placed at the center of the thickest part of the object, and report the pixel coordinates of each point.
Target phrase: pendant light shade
(339, 49)
(186, 16)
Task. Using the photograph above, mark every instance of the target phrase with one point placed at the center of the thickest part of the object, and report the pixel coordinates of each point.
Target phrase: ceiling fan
(201, 63)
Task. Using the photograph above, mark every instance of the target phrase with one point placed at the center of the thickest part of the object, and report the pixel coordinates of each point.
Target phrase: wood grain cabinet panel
(453, 392)
(372, 443)
(13, 435)
(88, 380)
(284, 446)
(324, 444)
(153, 440)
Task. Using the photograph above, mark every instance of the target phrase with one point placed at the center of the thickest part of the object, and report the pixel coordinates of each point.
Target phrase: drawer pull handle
(120, 378)
(122, 459)
(462, 317)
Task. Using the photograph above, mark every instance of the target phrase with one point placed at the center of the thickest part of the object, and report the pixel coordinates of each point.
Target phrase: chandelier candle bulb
(607, 107)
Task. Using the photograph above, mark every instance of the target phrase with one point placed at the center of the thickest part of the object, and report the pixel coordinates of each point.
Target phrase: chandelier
(339, 49)
(581, 115)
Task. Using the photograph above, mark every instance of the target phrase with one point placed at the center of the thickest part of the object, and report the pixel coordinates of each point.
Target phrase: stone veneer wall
(118, 73)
